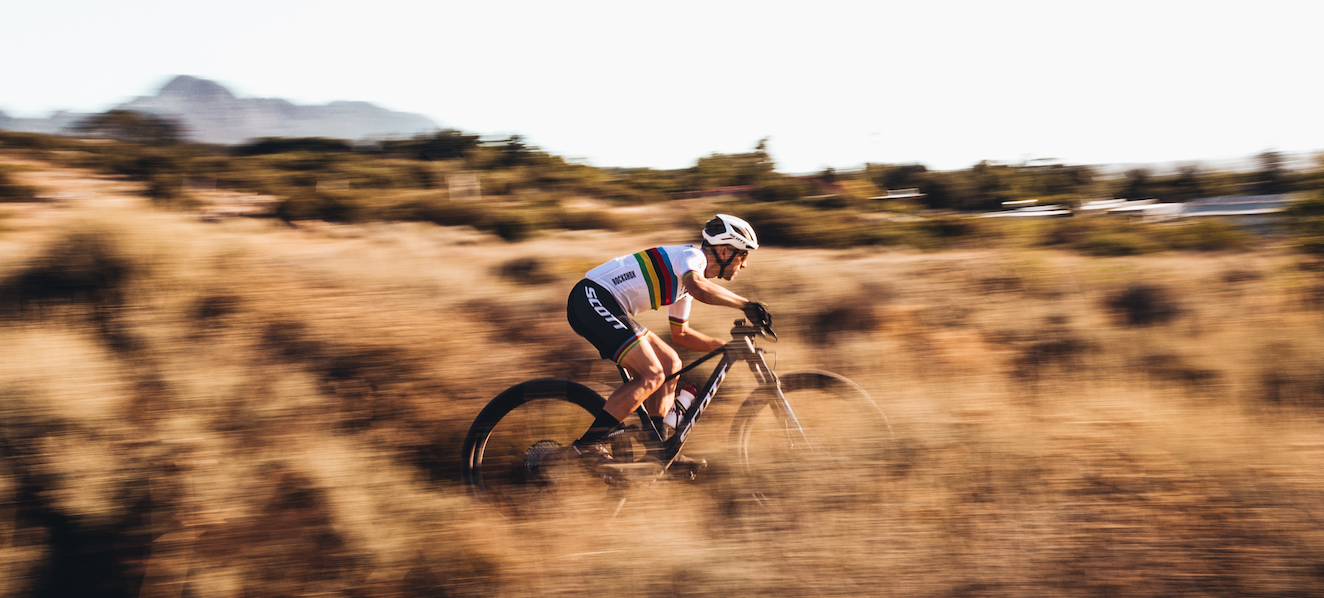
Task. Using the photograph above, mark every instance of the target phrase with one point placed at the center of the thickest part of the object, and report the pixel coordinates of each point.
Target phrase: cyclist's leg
(595, 315)
(647, 376)
(659, 403)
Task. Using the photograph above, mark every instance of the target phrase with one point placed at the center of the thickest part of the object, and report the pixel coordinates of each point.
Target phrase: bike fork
(766, 376)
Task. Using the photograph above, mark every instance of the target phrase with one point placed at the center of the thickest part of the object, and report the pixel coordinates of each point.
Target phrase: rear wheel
(835, 455)
(517, 456)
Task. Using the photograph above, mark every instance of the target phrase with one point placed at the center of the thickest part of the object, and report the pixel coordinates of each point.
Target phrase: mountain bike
(806, 423)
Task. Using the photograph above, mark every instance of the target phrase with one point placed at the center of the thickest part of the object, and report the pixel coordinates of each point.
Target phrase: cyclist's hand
(757, 312)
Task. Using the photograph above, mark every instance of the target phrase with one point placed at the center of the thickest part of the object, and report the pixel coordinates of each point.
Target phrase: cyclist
(601, 305)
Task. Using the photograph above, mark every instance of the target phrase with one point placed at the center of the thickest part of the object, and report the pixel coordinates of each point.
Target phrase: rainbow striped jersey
(652, 278)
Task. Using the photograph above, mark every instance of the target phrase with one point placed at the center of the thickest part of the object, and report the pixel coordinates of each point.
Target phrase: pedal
(686, 468)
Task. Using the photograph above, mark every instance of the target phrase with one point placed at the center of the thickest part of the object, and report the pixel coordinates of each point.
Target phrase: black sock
(602, 426)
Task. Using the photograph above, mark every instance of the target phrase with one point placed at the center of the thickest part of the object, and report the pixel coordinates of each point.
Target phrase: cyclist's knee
(666, 356)
(670, 363)
(652, 376)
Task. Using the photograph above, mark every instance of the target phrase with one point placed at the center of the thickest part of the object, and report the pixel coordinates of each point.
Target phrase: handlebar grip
(757, 312)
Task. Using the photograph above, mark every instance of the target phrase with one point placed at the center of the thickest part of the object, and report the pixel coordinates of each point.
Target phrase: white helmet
(729, 230)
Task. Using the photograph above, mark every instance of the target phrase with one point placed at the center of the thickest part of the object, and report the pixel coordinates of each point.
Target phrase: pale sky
(660, 84)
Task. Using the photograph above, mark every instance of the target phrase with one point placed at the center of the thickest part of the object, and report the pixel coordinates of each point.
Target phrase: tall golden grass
(240, 408)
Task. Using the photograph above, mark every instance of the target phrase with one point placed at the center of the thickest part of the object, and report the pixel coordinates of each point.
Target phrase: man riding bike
(601, 305)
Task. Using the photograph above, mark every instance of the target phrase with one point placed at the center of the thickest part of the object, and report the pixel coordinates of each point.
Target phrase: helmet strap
(723, 263)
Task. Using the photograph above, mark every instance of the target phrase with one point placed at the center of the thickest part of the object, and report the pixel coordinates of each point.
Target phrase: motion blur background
(247, 369)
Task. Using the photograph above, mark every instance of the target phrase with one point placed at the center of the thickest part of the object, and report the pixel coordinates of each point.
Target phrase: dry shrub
(513, 225)
(829, 324)
(369, 380)
(1240, 275)
(1312, 297)
(1001, 284)
(1289, 375)
(85, 266)
(215, 307)
(288, 540)
(1143, 304)
(289, 339)
(529, 270)
(1174, 368)
(1037, 358)
(75, 497)
(857, 313)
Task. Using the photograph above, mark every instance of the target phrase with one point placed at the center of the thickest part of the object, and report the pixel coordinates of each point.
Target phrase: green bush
(445, 213)
(142, 164)
(284, 145)
(953, 227)
(321, 205)
(895, 234)
(1305, 222)
(31, 141)
(1101, 237)
(778, 189)
(1204, 234)
(511, 225)
(589, 220)
(622, 194)
(1114, 243)
(791, 225)
(167, 190)
(297, 161)
(1104, 236)
(131, 126)
(795, 226)
(1070, 231)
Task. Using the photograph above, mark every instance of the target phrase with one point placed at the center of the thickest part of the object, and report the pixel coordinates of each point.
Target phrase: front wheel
(832, 451)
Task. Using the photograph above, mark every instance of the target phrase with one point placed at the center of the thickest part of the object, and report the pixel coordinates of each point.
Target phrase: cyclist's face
(739, 262)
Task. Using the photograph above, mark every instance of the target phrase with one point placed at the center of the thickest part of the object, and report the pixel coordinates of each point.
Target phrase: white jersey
(652, 278)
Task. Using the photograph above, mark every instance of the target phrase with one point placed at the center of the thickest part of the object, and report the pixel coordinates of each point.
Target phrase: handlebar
(743, 328)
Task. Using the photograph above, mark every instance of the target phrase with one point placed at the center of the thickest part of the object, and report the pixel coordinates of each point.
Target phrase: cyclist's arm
(712, 293)
(692, 339)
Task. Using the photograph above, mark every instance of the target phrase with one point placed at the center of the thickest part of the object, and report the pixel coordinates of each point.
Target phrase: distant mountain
(210, 113)
(54, 124)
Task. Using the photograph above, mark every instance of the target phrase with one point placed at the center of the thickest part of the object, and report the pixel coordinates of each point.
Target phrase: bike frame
(739, 348)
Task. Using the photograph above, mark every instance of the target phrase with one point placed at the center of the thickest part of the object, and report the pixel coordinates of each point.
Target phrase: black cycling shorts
(596, 316)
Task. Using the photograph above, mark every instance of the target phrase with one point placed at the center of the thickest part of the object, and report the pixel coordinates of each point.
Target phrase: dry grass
(249, 409)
